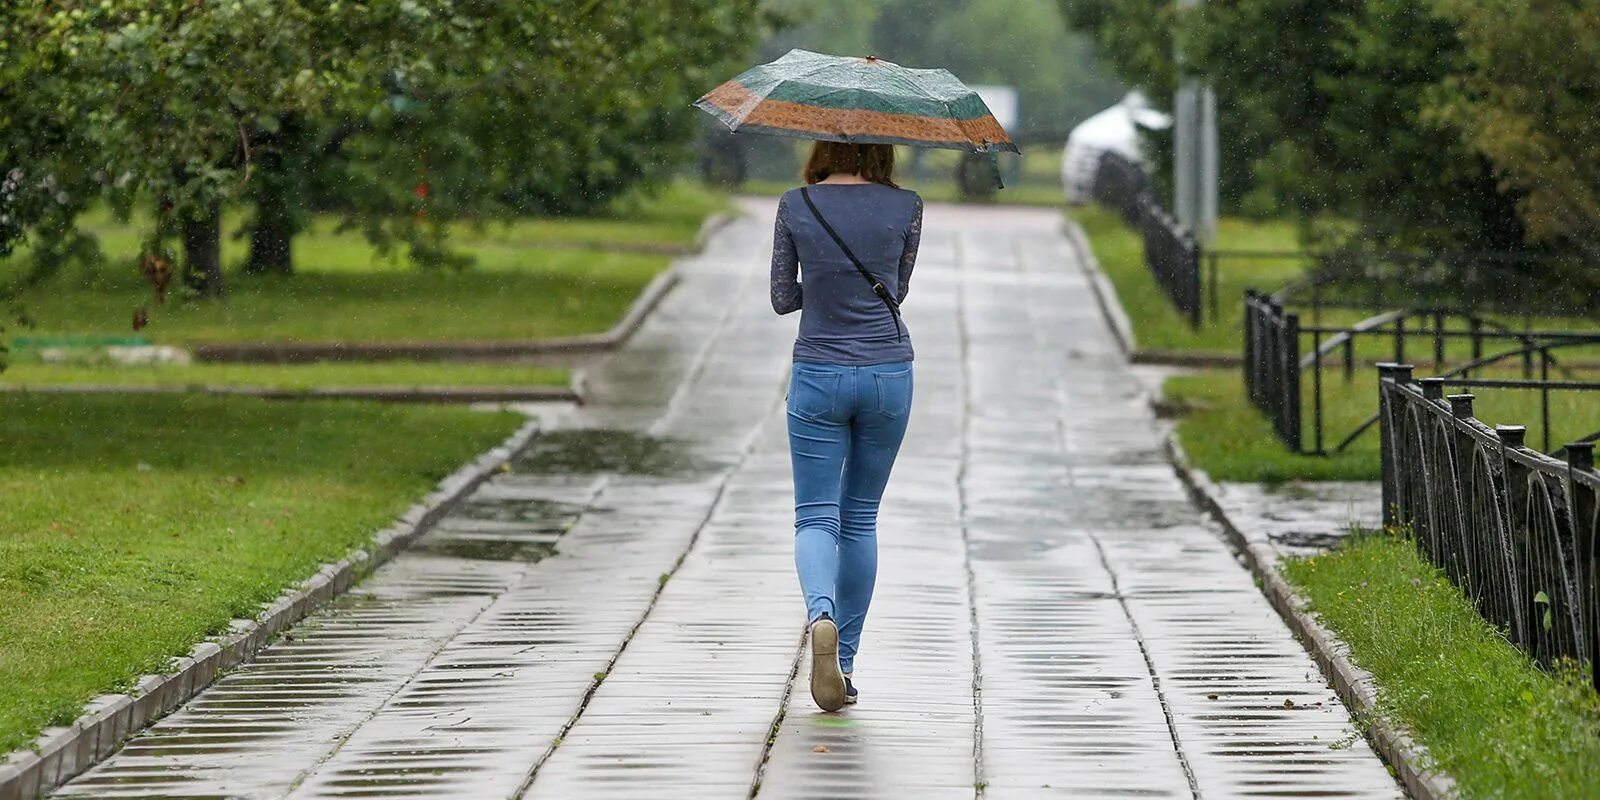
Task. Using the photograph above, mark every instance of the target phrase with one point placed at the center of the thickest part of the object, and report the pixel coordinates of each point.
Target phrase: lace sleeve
(785, 283)
(908, 256)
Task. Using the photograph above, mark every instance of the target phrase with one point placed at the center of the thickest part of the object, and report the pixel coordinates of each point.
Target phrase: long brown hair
(873, 162)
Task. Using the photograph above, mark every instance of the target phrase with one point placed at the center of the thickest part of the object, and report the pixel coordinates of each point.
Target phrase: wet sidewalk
(617, 617)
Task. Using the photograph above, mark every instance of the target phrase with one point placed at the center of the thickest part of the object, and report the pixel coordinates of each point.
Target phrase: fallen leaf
(821, 748)
(1288, 703)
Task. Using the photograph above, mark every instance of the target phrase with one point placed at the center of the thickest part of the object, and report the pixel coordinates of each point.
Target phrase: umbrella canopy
(862, 100)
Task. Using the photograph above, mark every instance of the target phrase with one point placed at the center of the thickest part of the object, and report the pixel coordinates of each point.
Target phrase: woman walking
(852, 236)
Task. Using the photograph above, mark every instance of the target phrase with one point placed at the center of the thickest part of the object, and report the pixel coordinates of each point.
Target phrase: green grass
(398, 374)
(1157, 324)
(1228, 438)
(135, 526)
(1486, 714)
(511, 294)
(531, 279)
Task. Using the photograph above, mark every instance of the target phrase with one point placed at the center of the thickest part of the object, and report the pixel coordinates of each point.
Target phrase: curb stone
(1354, 685)
(59, 754)
(1105, 294)
(618, 334)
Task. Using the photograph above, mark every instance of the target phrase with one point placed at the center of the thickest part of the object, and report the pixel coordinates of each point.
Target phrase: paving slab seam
(59, 755)
(979, 785)
(777, 719)
(747, 446)
(1155, 678)
(1354, 685)
(1124, 339)
(444, 642)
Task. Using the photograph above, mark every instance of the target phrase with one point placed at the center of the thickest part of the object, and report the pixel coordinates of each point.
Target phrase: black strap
(877, 286)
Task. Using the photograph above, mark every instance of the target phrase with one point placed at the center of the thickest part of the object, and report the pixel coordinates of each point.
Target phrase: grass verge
(396, 374)
(531, 279)
(136, 526)
(1157, 324)
(1486, 714)
(1227, 437)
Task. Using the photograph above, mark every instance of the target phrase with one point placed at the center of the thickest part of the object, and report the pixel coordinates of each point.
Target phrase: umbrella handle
(994, 165)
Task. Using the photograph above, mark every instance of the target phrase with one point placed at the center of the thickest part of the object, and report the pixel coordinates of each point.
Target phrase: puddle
(602, 450)
(504, 510)
(486, 549)
(500, 529)
(1312, 541)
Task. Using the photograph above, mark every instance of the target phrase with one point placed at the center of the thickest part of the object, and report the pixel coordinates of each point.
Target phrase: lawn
(393, 374)
(1486, 714)
(136, 526)
(1157, 324)
(531, 279)
(1159, 327)
(1228, 438)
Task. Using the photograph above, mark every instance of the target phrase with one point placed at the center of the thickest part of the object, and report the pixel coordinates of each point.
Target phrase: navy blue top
(841, 320)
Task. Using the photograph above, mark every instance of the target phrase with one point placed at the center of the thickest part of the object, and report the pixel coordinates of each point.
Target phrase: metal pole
(1195, 153)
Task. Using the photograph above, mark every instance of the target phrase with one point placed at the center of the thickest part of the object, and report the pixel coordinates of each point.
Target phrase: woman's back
(842, 321)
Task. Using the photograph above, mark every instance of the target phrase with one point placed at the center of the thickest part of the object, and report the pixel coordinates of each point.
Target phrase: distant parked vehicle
(1115, 130)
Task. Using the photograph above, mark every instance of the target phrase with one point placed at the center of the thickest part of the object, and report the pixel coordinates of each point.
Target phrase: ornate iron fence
(1514, 528)
(1277, 361)
(1171, 253)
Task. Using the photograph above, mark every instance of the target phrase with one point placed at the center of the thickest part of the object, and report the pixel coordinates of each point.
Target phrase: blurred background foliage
(1437, 124)
(397, 116)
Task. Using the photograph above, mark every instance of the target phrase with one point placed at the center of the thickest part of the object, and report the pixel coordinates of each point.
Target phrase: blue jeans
(845, 427)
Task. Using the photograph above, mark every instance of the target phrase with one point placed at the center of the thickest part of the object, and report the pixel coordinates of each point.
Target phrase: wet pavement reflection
(617, 616)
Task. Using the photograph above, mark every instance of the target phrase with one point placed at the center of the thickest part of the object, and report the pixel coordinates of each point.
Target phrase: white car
(1115, 129)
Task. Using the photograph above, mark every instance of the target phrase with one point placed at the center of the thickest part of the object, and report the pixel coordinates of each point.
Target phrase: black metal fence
(1514, 528)
(1170, 252)
(1277, 361)
(1511, 283)
(1272, 367)
(1119, 184)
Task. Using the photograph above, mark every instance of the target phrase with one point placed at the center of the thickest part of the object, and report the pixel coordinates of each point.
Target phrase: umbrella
(862, 100)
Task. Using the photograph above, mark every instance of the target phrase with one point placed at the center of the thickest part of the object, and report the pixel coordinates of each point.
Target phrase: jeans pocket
(813, 394)
(894, 393)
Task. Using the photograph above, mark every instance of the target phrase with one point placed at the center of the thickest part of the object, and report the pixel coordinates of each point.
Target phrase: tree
(1341, 89)
(1527, 102)
(400, 116)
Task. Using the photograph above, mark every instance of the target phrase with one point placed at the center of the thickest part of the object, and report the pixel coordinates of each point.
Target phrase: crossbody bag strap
(877, 286)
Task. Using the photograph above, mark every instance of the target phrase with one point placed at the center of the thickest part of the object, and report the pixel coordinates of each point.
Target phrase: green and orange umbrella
(863, 100)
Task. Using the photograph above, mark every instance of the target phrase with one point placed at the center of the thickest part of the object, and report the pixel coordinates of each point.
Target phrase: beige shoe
(827, 682)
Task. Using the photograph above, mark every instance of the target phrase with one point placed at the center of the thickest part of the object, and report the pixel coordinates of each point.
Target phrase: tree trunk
(202, 250)
(273, 231)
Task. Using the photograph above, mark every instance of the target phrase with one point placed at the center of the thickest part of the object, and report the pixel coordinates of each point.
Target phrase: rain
(799, 398)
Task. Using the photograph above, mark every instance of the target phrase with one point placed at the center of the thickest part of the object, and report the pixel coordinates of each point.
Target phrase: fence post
(1291, 381)
(1586, 532)
(1249, 345)
(1316, 388)
(1385, 448)
(1438, 339)
(1191, 269)
(1514, 483)
(1212, 258)
(1400, 340)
